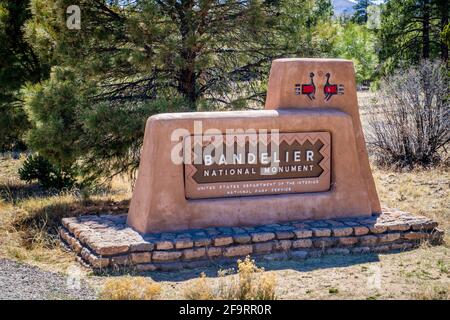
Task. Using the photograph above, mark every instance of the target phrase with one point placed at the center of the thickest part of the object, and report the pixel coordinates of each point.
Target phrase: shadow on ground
(325, 262)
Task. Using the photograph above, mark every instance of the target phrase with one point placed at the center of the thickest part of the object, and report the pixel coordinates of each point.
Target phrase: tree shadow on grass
(41, 223)
(15, 191)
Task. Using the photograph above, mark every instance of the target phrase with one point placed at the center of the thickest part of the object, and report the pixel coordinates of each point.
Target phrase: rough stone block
(65, 221)
(302, 243)
(324, 242)
(145, 267)
(164, 245)
(109, 249)
(64, 234)
(342, 231)
(141, 257)
(262, 236)
(202, 242)
(415, 235)
(242, 238)
(263, 247)
(428, 225)
(360, 230)
(236, 251)
(281, 235)
(183, 243)
(166, 255)
(321, 232)
(389, 237)
(98, 262)
(303, 233)
(376, 229)
(194, 253)
(282, 245)
(76, 247)
(398, 227)
(122, 260)
(213, 252)
(368, 240)
(223, 241)
(141, 246)
(348, 241)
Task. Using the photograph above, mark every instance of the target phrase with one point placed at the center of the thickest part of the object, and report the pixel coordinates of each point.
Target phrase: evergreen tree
(132, 59)
(360, 16)
(411, 29)
(18, 64)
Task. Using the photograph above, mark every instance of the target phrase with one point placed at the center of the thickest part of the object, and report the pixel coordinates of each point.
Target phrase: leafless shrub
(412, 124)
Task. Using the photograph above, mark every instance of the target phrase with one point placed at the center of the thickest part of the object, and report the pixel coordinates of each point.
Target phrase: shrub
(412, 125)
(250, 283)
(49, 176)
(200, 289)
(130, 288)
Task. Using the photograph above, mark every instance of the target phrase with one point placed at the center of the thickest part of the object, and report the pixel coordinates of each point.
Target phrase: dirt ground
(28, 217)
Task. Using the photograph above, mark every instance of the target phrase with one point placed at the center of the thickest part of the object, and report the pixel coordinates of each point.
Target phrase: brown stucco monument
(292, 181)
(321, 169)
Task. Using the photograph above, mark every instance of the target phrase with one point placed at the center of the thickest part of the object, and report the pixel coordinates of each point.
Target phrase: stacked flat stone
(106, 241)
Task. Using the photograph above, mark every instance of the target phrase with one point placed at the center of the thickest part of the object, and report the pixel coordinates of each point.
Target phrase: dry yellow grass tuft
(130, 288)
(29, 215)
(250, 283)
(434, 292)
(423, 192)
(200, 289)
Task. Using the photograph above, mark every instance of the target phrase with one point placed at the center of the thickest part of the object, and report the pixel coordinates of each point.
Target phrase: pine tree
(411, 31)
(132, 59)
(360, 16)
(18, 64)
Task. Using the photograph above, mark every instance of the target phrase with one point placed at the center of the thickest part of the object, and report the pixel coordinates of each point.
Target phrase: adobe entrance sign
(303, 157)
(291, 181)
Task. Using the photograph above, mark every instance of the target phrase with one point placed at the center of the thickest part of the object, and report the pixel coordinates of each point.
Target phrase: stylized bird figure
(310, 88)
(329, 89)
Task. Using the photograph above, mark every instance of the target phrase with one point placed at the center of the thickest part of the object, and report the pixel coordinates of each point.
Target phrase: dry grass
(424, 192)
(250, 283)
(29, 216)
(129, 288)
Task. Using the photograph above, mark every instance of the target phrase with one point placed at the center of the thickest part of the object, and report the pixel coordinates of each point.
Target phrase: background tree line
(80, 98)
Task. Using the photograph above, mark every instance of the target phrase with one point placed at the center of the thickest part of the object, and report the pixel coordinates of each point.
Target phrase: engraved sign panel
(256, 164)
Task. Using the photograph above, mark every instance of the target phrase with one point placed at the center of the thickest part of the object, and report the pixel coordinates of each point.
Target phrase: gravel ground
(25, 282)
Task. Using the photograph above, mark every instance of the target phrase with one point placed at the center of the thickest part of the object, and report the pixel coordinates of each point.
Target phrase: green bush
(49, 176)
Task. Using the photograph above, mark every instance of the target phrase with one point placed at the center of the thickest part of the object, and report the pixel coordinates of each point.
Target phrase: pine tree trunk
(426, 30)
(187, 78)
(443, 4)
(187, 84)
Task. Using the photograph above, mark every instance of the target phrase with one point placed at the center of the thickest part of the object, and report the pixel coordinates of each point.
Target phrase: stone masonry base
(106, 241)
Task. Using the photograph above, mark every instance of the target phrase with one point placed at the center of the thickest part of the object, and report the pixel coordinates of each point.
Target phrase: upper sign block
(307, 83)
(303, 83)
